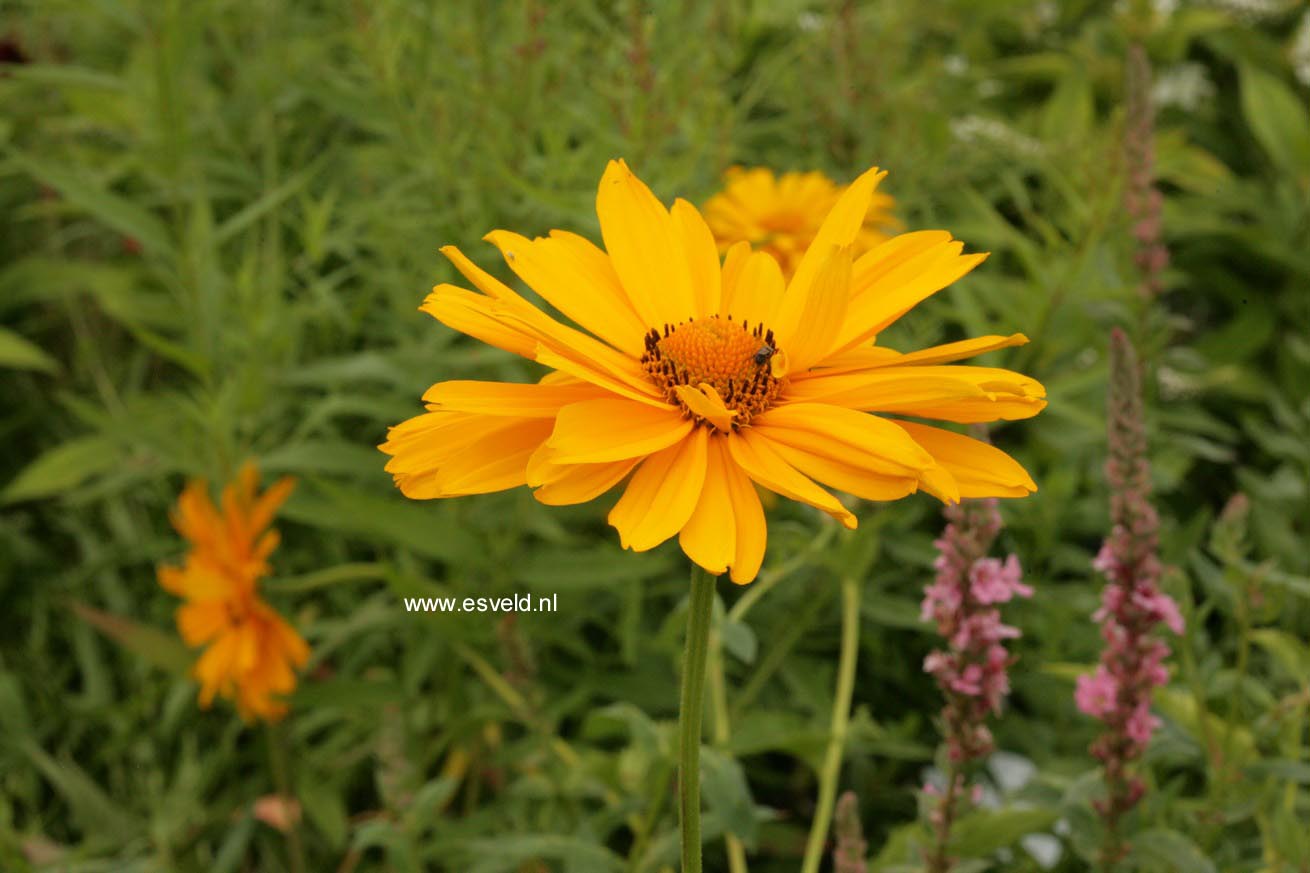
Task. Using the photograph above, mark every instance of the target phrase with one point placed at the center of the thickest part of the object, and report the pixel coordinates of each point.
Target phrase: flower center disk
(716, 351)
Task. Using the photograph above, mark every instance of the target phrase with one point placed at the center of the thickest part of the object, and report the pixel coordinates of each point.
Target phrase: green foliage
(219, 218)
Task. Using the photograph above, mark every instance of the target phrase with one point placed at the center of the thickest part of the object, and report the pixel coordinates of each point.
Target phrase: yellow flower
(694, 379)
(781, 215)
(251, 652)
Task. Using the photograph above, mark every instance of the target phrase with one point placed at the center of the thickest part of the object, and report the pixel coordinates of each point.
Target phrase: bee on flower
(782, 214)
(250, 652)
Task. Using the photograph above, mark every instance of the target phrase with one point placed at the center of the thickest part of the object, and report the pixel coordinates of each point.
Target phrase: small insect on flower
(762, 356)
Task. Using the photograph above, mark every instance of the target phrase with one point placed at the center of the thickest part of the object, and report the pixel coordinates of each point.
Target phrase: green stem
(722, 732)
(841, 713)
(277, 757)
(700, 611)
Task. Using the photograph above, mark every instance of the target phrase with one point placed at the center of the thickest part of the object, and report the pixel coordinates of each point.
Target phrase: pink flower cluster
(972, 670)
(1132, 604)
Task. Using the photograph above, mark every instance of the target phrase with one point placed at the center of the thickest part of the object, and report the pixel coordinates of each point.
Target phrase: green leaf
(329, 576)
(347, 693)
(62, 469)
(1291, 654)
(119, 213)
(92, 807)
(598, 566)
(232, 851)
(323, 456)
(424, 528)
(903, 846)
(163, 650)
(740, 640)
(508, 853)
(726, 793)
(1067, 116)
(983, 831)
(1278, 119)
(1180, 707)
(324, 807)
(1168, 851)
(21, 354)
(1279, 768)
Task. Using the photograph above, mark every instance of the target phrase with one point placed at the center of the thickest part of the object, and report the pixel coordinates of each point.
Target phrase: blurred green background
(217, 220)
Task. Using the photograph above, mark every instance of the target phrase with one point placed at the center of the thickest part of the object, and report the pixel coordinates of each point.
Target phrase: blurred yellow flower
(250, 651)
(692, 379)
(782, 214)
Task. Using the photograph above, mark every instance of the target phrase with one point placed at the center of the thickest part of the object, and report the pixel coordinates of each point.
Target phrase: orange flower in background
(250, 652)
(782, 214)
(697, 380)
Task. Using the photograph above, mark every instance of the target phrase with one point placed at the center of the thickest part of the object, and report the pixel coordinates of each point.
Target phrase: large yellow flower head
(696, 380)
(782, 215)
(250, 651)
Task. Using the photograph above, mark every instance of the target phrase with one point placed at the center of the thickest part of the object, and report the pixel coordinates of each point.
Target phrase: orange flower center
(717, 351)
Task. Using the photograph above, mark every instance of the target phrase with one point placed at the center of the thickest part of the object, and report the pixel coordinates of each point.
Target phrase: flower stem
(277, 757)
(939, 861)
(700, 610)
(841, 713)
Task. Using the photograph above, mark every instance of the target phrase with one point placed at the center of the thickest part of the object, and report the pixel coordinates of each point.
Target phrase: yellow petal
(954, 393)
(879, 390)
(891, 294)
(753, 291)
(706, 402)
(846, 477)
(509, 399)
(710, 536)
(881, 259)
(586, 352)
(518, 319)
(445, 454)
(643, 246)
(578, 483)
(751, 531)
(472, 314)
(839, 229)
(497, 463)
(662, 494)
(755, 454)
(1007, 395)
(733, 261)
(481, 279)
(812, 314)
(871, 357)
(702, 257)
(582, 371)
(958, 351)
(938, 481)
(613, 429)
(551, 268)
(845, 435)
(981, 469)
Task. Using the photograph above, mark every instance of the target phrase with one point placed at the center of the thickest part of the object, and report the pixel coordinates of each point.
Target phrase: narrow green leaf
(162, 649)
(1278, 119)
(62, 469)
(92, 807)
(1168, 851)
(117, 212)
(985, 830)
(21, 354)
